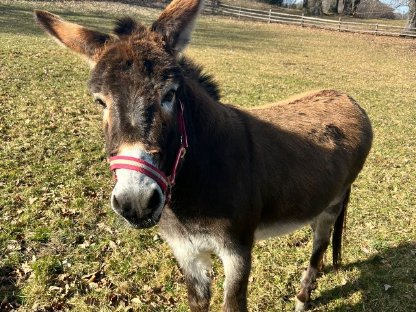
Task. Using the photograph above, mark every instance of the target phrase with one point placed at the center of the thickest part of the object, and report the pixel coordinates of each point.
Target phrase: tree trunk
(411, 21)
(350, 7)
(330, 6)
(312, 7)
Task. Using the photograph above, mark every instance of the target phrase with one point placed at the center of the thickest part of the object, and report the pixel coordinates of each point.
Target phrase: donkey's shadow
(387, 282)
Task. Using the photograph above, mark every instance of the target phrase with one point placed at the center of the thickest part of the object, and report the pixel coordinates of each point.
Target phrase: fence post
(270, 16)
(339, 24)
(376, 29)
(239, 12)
(301, 22)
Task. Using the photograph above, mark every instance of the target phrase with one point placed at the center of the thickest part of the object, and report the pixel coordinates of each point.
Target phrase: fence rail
(271, 16)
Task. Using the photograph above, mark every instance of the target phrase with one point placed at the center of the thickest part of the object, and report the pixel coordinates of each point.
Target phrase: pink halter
(139, 165)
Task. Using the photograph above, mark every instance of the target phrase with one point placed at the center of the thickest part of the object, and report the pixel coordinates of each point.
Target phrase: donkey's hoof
(300, 306)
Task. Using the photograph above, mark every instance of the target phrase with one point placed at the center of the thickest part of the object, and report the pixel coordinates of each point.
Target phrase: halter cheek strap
(142, 166)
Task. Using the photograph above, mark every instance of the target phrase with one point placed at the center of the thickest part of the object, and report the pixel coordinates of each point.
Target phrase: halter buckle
(183, 152)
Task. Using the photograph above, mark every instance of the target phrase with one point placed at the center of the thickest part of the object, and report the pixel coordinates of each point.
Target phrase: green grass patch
(61, 246)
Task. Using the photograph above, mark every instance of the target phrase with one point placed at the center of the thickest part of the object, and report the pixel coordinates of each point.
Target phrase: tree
(330, 6)
(312, 7)
(375, 9)
(319, 7)
(411, 20)
(350, 7)
(275, 2)
(411, 15)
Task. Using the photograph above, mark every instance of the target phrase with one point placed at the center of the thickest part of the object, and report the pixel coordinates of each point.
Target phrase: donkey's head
(136, 78)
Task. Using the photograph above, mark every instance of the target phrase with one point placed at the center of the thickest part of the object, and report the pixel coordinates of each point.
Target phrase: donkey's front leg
(237, 265)
(196, 268)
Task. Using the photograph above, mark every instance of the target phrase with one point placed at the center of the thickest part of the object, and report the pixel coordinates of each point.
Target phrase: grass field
(61, 246)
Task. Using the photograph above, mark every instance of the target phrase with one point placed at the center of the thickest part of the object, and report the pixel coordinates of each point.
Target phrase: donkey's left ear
(75, 37)
(177, 22)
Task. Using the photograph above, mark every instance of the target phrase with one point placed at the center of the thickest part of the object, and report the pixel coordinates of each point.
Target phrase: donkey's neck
(209, 119)
(217, 148)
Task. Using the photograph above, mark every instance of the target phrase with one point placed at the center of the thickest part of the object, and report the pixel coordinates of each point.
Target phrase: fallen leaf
(112, 245)
(85, 244)
(136, 301)
(387, 287)
(105, 227)
(365, 250)
(26, 268)
(32, 200)
(55, 288)
(93, 277)
(63, 277)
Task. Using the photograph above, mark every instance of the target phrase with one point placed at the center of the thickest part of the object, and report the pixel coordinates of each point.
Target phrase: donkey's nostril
(121, 206)
(154, 200)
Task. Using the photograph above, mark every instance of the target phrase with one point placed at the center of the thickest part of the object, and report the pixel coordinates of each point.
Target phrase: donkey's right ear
(86, 42)
(176, 23)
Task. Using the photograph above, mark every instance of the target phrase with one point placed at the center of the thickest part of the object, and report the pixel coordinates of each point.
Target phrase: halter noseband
(142, 166)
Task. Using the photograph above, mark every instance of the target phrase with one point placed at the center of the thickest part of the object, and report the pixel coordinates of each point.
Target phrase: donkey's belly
(264, 231)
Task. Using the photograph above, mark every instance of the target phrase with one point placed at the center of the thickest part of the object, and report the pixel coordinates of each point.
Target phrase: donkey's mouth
(142, 223)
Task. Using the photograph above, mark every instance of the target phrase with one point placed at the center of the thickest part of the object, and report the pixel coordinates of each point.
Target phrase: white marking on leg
(194, 257)
(299, 305)
(308, 277)
(232, 263)
(307, 285)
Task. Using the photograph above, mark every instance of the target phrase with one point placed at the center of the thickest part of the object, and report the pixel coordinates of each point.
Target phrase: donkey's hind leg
(322, 228)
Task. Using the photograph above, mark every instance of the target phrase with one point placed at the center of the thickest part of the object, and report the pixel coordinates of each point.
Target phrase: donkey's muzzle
(138, 211)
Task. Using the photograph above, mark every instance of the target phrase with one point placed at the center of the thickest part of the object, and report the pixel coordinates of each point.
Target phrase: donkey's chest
(193, 244)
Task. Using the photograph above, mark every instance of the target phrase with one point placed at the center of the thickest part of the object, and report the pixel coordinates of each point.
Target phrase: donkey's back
(307, 151)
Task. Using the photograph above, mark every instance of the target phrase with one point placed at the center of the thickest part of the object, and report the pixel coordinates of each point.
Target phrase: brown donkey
(246, 174)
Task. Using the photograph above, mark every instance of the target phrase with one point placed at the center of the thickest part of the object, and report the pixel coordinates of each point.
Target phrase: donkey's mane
(196, 73)
(127, 26)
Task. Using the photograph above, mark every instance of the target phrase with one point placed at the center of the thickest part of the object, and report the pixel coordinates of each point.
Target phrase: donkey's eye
(168, 98)
(100, 102)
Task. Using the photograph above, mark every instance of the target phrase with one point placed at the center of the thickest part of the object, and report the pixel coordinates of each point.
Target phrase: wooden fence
(307, 21)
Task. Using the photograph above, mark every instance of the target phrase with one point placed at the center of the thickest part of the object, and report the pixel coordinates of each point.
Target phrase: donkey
(215, 177)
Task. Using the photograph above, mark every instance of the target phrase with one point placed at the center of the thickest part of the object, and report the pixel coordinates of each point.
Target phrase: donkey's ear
(177, 22)
(77, 38)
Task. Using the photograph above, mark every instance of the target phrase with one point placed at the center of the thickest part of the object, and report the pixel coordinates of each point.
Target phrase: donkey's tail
(338, 229)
